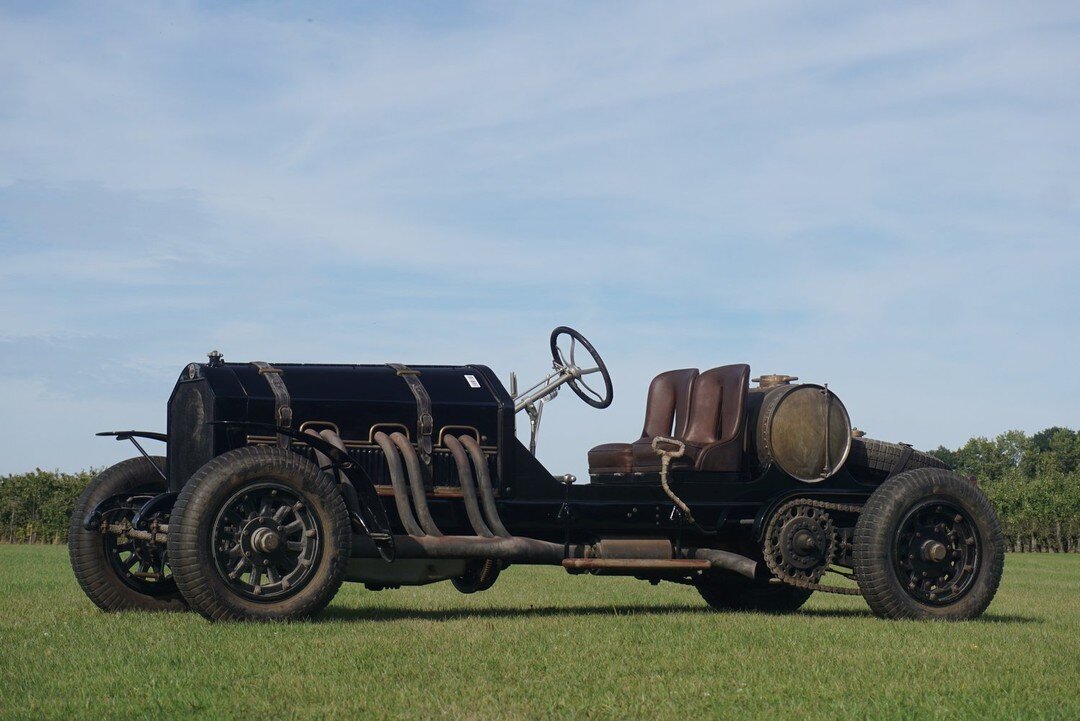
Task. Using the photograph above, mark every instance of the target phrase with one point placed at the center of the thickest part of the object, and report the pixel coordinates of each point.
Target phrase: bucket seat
(707, 411)
(666, 413)
(715, 434)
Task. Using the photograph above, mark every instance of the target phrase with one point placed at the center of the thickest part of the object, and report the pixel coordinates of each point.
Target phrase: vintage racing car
(281, 481)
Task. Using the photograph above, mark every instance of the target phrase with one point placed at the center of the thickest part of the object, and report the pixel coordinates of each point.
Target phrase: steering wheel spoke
(596, 365)
(592, 392)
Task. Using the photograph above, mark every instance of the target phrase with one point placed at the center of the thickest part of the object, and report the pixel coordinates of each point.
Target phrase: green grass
(540, 644)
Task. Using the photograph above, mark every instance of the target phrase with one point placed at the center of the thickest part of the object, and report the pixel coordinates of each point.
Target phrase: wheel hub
(936, 553)
(140, 565)
(266, 542)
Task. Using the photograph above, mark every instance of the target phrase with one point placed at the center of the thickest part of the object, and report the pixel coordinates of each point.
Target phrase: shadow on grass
(423, 614)
(866, 613)
(382, 613)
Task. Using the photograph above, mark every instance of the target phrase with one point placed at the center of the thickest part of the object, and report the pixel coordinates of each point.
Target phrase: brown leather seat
(706, 411)
(715, 432)
(666, 413)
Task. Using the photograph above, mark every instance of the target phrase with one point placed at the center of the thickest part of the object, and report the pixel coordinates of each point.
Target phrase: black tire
(206, 507)
(480, 575)
(898, 532)
(877, 459)
(97, 559)
(729, 592)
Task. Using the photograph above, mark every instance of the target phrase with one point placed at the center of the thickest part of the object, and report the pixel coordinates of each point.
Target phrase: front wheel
(259, 533)
(928, 545)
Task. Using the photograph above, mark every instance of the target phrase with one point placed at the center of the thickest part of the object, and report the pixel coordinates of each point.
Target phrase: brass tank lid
(775, 379)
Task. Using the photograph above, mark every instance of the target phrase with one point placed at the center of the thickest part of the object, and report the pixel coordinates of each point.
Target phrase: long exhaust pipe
(397, 480)
(484, 479)
(416, 484)
(520, 550)
(468, 491)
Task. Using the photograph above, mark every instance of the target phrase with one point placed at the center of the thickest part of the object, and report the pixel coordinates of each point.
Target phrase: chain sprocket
(801, 542)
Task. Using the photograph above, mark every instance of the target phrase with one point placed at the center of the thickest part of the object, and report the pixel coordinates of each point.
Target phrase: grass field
(540, 644)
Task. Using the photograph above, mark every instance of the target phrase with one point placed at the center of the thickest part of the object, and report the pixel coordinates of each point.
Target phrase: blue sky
(882, 196)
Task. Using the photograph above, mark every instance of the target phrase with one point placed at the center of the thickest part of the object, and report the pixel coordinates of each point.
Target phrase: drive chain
(771, 549)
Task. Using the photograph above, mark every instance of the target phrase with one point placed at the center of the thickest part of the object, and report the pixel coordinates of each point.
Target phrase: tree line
(36, 507)
(1033, 481)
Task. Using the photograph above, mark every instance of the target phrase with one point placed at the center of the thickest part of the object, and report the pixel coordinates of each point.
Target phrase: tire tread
(96, 578)
(189, 568)
(873, 539)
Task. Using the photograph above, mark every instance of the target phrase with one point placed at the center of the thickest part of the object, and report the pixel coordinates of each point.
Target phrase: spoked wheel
(729, 592)
(141, 565)
(119, 573)
(266, 541)
(260, 534)
(928, 545)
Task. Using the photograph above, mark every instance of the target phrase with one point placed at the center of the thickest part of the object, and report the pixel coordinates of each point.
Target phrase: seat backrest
(668, 404)
(718, 404)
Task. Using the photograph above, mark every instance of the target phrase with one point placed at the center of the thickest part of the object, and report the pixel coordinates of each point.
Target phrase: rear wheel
(116, 572)
(928, 546)
(729, 592)
(259, 534)
(480, 575)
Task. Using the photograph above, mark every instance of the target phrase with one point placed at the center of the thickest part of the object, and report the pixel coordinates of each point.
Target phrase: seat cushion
(719, 456)
(611, 458)
(647, 460)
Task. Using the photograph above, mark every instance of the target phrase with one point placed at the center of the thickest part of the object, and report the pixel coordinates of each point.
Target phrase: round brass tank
(804, 429)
